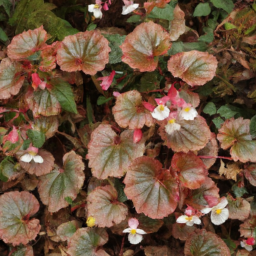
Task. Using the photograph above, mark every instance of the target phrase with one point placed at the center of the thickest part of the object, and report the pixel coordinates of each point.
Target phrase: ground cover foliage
(143, 123)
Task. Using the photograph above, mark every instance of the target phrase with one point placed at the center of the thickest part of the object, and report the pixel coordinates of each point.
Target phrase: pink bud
(190, 211)
(107, 80)
(162, 101)
(32, 149)
(148, 106)
(133, 223)
(105, 6)
(250, 241)
(137, 135)
(116, 94)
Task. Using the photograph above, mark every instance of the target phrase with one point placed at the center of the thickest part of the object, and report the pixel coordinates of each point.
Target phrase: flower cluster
(135, 234)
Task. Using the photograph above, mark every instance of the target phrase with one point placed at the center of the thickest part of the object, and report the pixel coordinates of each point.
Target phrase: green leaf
(88, 241)
(114, 42)
(15, 207)
(110, 154)
(91, 26)
(239, 191)
(165, 13)
(60, 183)
(7, 4)
(102, 100)
(69, 200)
(229, 26)
(3, 36)
(67, 230)
(253, 126)
(64, 94)
(208, 37)
(148, 82)
(152, 189)
(36, 137)
(89, 109)
(218, 121)
(102, 204)
(119, 186)
(22, 251)
(202, 9)
(210, 108)
(226, 5)
(133, 19)
(226, 112)
(9, 169)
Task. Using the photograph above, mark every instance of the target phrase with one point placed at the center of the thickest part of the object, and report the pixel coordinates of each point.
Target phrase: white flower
(161, 112)
(135, 234)
(189, 220)
(188, 113)
(246, 246)
(32, 155)
(129, 8)
(96, 9)
(219, 214)
(172, 126)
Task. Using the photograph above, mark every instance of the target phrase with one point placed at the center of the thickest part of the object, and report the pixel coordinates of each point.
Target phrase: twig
(222, 157)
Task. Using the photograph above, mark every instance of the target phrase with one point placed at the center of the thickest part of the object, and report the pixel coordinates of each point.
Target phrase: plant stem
(222, 157)
(231, 86)
(122, 247)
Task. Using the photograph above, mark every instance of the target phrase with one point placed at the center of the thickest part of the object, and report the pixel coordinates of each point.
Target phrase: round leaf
(15, 210)
(153, 190)
(22, 251)
(194, 67)
(142, 47)
(149, 5)
(235, 133)
(238, 208)
(66, 230)
(130, 112)
(190, 168)
(193, 135)
(250, 173)
(110, 154)
(202, 243)
(87, 51)
(27, 43)
(248, 228)
(182, 232)
(104, 206)
(11, 79)
(87, 241)
(60, 183)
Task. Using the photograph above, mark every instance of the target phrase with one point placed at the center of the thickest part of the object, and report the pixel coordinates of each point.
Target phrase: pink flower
(135, 234)
(174, 96)
(107, 80)
(137, 135)
(247, 244)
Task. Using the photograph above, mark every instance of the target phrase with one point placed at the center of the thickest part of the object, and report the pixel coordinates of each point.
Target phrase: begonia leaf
(130, 112)
(47, 125)
(27, 43)
(239, 208)
(153, 190)
(177, 25)
(181, 231)
(211, 150)
(60, 183)
(43, 102)
(37, 138)
(150, 4)
(193, 135)
(144, 45)
(235, 133)
(9, 169)
(190, 169)
(38, 169)
(11, 78)
(22, 251)
(190, 97)
(202, 243)
(194, 67)
(110, 154)
(158, 251)
(66, 230)
(248, 228)
(250, 173)
(16, 208)
(10, 148)
(206, 195)
(87, 51)
(104, 206)
(88, 241)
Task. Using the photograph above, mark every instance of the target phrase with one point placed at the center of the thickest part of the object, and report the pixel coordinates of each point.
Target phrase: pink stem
(223, 157)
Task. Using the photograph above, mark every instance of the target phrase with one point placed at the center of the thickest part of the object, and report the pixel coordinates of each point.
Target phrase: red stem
(222, 157)
(122, 247)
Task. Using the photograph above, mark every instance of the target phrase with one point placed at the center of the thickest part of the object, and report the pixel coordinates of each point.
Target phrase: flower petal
(91, 8)
(160, 115)
(133, 223)
(248, 247)
(38, 159)
(140, 231)
(129, 8)
(97, 13)
(26, 158)
(222, 204)
(171, 127)
(182, 219)
(135, 239)
(190, 223)
(218, 219)
(127, 230)
(196, 220)
(206, 210)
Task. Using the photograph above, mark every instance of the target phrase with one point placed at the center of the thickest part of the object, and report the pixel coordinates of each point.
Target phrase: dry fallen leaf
(231, 171)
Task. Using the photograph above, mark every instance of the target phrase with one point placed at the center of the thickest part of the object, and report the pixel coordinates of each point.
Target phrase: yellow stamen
(187, 109)
(188, 218)
(32, 153)
(171, 121)
(96, 6)
(133, 231)
(161, 107)
(90, 221)
(218, 211)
